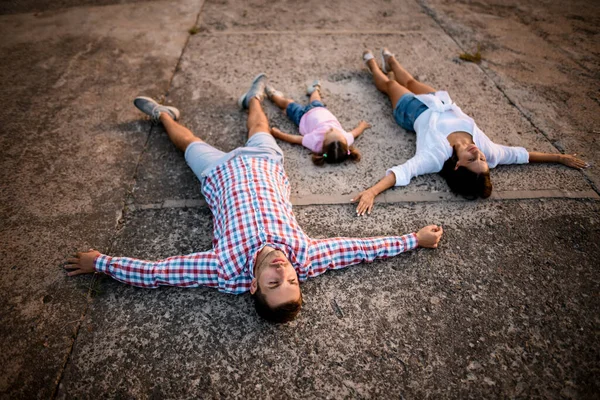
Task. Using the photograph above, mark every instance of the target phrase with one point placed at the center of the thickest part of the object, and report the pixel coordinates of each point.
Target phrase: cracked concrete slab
(206, 89)
(70, 142)
(505, 308)
(312, 15)
(544, 56)
(477, 318)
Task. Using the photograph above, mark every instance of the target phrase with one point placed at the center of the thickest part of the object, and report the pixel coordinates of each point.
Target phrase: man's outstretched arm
(197, 269)
(338, 253)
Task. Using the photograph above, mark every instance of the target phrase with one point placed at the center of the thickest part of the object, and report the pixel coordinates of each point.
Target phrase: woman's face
(470, 157)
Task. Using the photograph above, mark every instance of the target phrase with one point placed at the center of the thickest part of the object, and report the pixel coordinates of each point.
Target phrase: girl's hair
(464, 181)
(336, 152)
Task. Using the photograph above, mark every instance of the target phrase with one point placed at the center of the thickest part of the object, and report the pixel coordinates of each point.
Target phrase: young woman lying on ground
(448, 141)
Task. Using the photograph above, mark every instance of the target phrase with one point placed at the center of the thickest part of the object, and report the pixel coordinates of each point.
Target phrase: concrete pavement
(507, 307)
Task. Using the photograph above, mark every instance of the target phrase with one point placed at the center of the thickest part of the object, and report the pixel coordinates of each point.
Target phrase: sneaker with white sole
(257, 90)
(315, 85)
(271, 91)
(150, 107)
(385, 53)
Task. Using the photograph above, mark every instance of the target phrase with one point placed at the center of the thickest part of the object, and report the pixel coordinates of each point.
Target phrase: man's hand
(82, 263)
(572, 161)
(365, 202)
(429, 236)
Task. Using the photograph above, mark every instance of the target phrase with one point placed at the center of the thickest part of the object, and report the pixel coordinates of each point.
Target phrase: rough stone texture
(505, 308)
(502, 308)
(49, 6)
(70, 145)
(206, 90)
(544, 56)
(312, 15)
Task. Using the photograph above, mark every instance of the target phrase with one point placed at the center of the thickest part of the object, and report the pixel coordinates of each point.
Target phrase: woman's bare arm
(566, 159)
(366, 198)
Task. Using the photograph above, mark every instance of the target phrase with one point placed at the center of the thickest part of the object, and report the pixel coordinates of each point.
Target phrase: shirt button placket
(256, 206)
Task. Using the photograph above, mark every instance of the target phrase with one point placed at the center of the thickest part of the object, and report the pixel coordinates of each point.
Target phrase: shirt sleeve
(193, 270)
(502, 155)
(349, 138)
(497, 154)
(420, 164)
(336, 253)
(313, 142)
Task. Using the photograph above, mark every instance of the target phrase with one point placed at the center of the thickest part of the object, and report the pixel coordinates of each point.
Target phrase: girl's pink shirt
(313, 126)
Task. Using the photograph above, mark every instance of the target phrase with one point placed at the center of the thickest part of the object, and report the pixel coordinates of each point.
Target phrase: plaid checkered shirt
(250, 201)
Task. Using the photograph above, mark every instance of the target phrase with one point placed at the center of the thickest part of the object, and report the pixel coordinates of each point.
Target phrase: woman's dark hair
(336, 152)
(282, 313)
(464, 181)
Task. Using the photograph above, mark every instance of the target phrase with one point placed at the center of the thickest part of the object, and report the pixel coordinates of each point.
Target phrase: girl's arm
(362, 126)
(365, 199)
(566, 159)
(286, 137)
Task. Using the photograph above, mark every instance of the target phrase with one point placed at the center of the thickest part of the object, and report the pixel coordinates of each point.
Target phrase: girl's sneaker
(150, 107)
(316, 85)
(271, 91)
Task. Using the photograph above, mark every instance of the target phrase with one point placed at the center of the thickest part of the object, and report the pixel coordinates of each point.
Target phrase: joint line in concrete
(429, 11)
(312, 32)
(120, 221)
(389, 198)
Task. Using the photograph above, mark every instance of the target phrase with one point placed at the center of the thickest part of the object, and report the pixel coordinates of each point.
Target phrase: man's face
(277, 279)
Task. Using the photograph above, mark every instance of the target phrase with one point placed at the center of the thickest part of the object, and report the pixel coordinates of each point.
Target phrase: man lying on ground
(258, 244)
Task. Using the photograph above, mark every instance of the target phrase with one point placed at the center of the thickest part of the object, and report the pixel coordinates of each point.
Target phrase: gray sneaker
(257, 89)
(316, 85)
(150, 107)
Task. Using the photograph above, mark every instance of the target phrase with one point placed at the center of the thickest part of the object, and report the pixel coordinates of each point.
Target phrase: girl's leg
(392, 88)
(181, 136)
(315, 96)
(406, 79)
(257, 120)
(280, 101)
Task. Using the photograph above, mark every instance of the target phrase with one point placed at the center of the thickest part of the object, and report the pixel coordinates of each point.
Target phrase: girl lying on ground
(448, 141)
(320, 130)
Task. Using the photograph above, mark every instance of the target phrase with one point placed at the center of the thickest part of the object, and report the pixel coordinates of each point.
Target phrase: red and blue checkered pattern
(250, 201)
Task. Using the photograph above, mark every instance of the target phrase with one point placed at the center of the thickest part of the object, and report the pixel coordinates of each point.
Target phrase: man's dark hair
(464, 181)
(282, 313)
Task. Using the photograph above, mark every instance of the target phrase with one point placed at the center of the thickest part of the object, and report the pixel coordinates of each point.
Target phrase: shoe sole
(174, 110)
(148, 99)
(310, 89)
(241, 99)
(273, 92)
(383, 63)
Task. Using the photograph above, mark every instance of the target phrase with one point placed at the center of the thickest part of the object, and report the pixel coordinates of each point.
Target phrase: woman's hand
(82, 263)
(365, 201)
(429, 236)
(572, 161)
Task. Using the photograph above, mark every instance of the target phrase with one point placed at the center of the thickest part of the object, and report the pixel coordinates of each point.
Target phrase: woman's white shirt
(432, 128)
